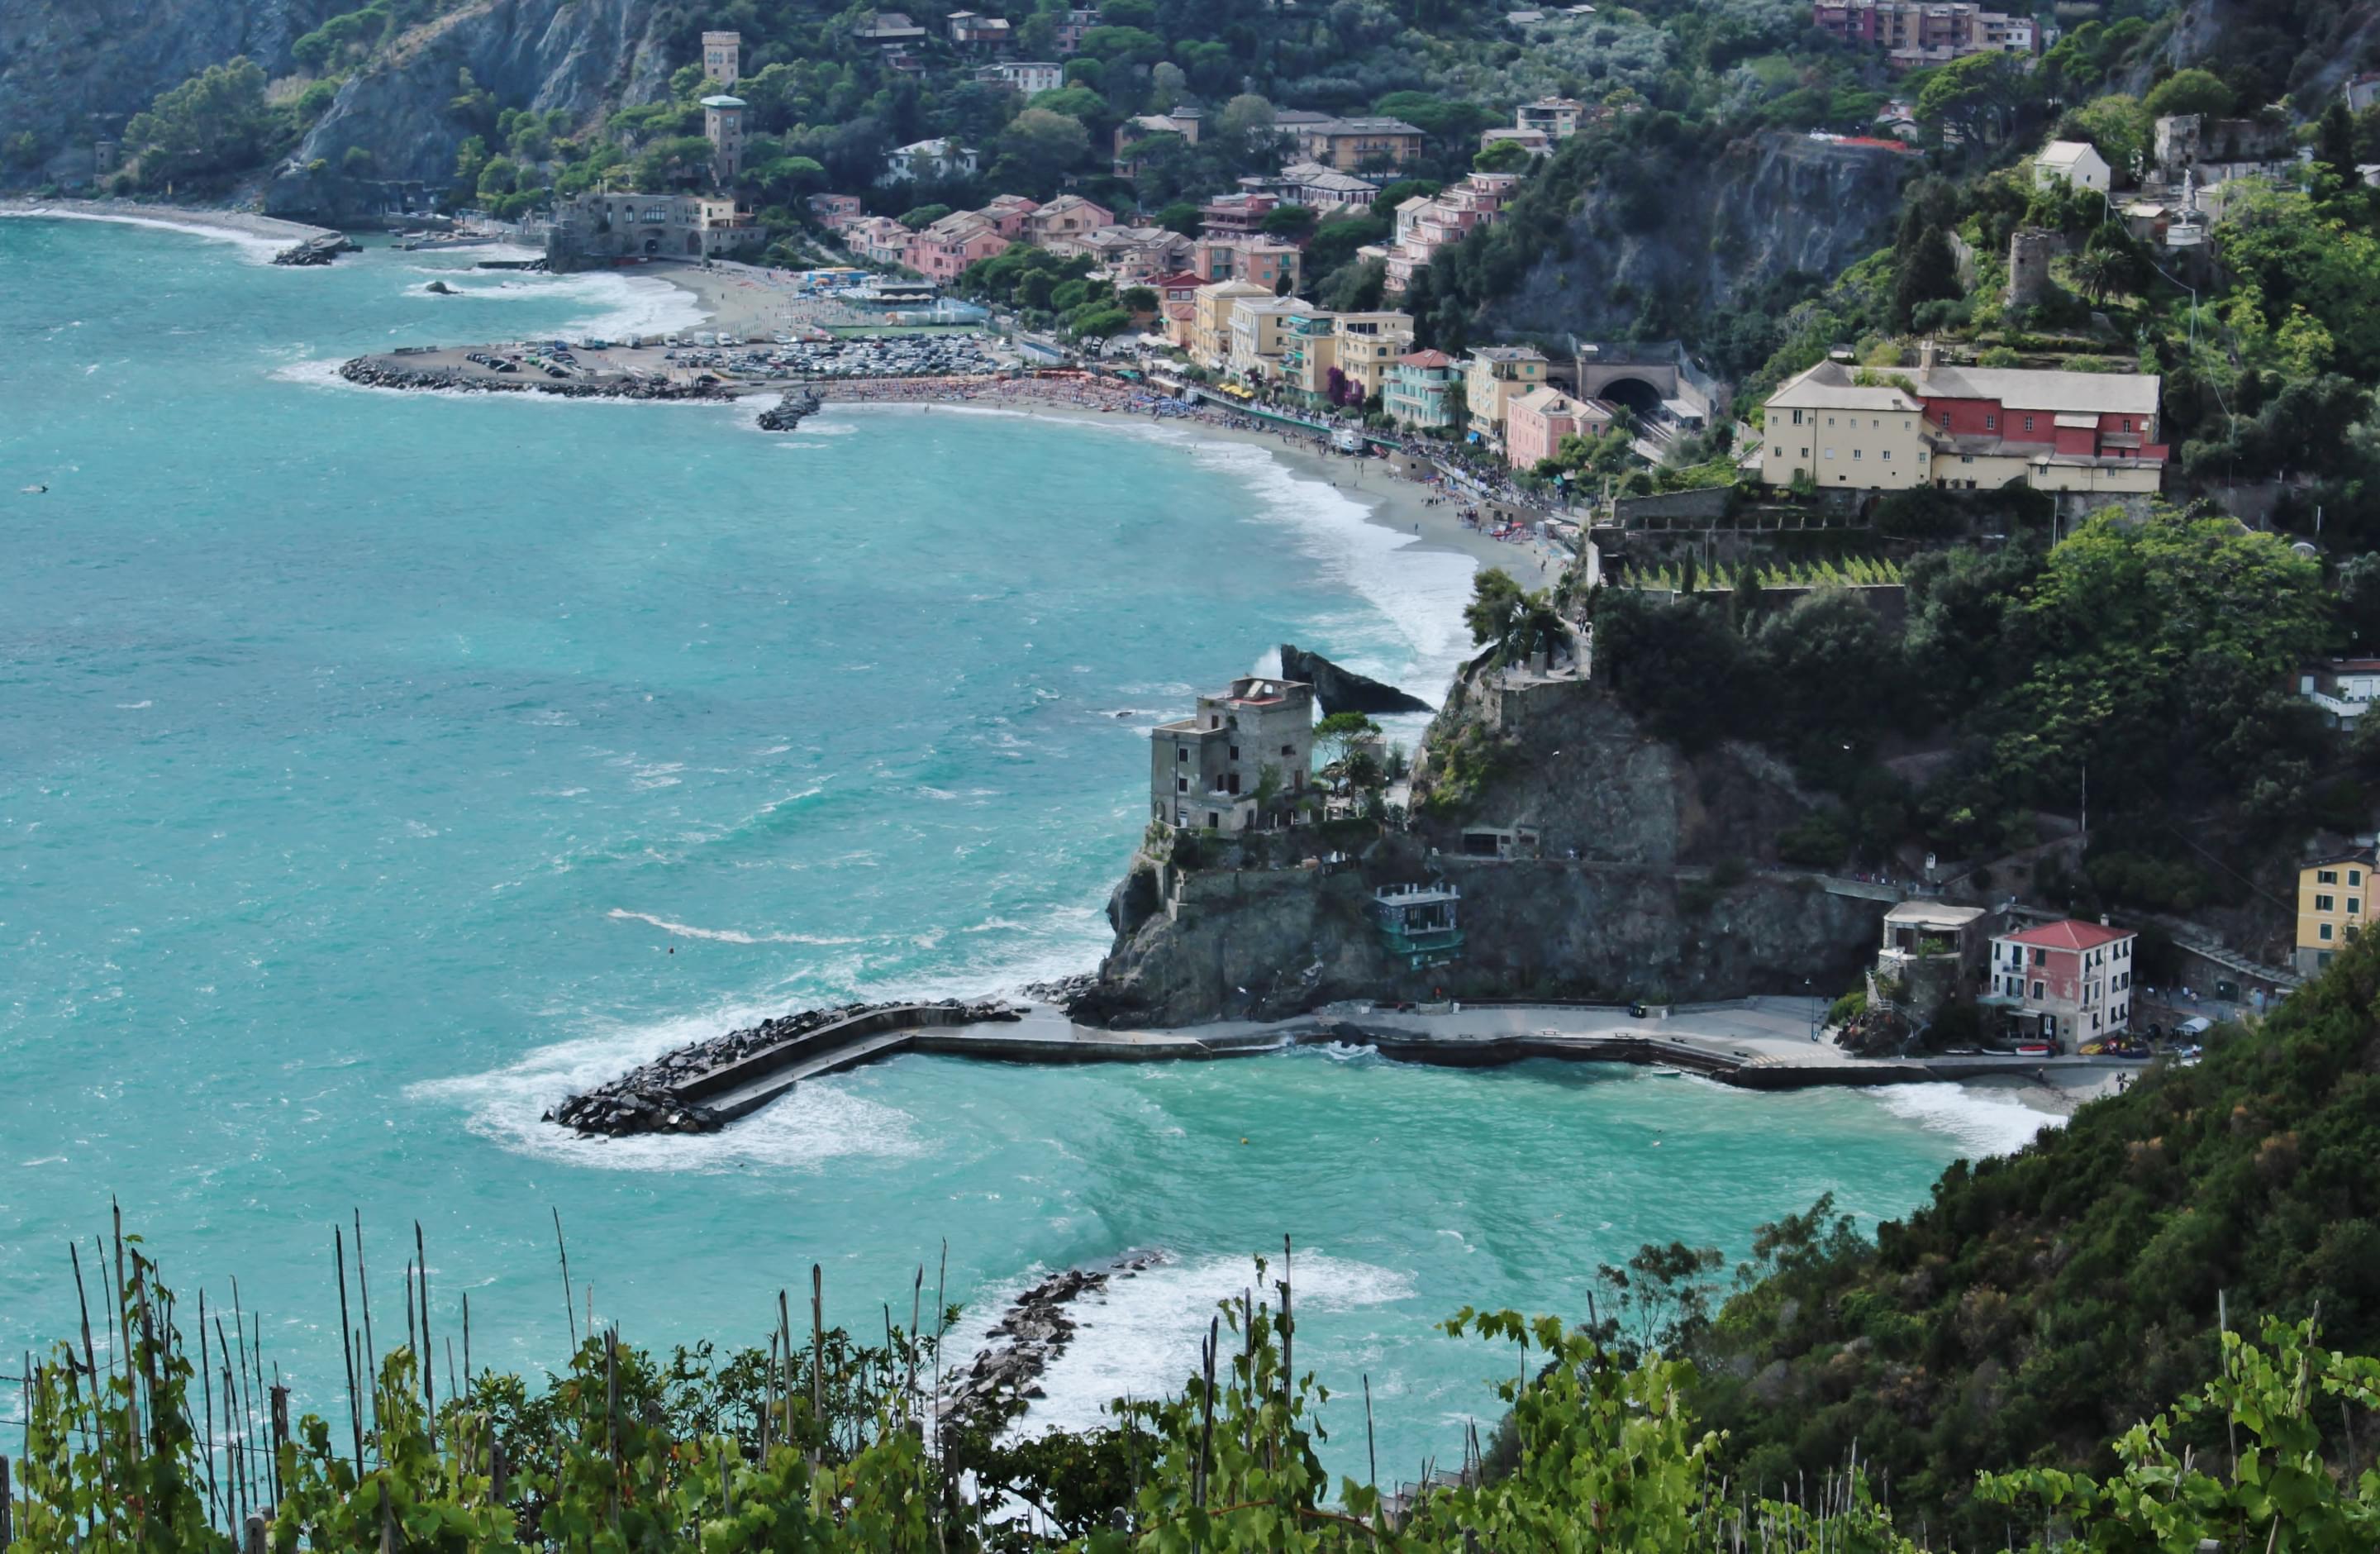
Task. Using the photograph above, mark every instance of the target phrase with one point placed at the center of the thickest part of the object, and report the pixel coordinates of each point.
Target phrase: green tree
(1290, 223)
(2120, 127)
(2190, 91)
(1179, 216)
(1977, 95)
(1928, 273)
(1504, 156)
(1038, 148)
(213, 124)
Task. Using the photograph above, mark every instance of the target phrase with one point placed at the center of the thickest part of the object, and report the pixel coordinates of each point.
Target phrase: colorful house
(1493, 378)
(2333, 893)
(1419, 389)
(1536, 423)
(2065, 983)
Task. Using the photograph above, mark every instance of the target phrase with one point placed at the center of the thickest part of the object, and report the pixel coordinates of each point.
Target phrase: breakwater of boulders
(649, 1099)
(1028, 1338)
(380, 372)
(318, 251)
(789, 412)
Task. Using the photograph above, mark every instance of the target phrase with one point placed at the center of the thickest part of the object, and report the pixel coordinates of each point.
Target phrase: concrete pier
(1753, 1044)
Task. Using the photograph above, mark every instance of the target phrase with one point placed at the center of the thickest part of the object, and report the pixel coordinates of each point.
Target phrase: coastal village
(1207, 322)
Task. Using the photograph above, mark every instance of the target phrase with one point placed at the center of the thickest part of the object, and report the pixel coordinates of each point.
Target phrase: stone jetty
(381, 372)
(703, 1086)
(790, 411)
(1028, 1338)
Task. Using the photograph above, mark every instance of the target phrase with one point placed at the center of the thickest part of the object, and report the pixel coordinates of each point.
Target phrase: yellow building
(2332, 894)
(1493, 378)
(1210, 320)
(1844, 433)
(1361, 346)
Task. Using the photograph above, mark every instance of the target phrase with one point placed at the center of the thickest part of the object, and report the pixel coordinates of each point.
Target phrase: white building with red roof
(2065, 983)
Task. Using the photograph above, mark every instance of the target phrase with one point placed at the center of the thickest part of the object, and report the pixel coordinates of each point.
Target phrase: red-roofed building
(2065, 983)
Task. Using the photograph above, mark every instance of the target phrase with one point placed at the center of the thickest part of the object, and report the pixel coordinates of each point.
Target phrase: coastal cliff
(1629, 869)
(578, 56)
(1705, 235)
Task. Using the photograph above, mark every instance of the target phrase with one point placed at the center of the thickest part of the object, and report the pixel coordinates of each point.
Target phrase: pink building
(1236, 215)
(1536, 423)
(1068, 216)
(834, 212)
(950, 245)
(1011, 216)
(1425, 225)
(879, 239)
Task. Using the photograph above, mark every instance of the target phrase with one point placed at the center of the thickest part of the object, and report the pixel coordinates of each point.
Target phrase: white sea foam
(1986, 1122)
(815, 1124)
(724, 936)
(258, 247)
(1140, 1337)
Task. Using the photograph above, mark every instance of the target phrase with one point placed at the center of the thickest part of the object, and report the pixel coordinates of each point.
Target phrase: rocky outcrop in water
(1343, 690)
(789, 412)
(317, 250)
(1030, 1335)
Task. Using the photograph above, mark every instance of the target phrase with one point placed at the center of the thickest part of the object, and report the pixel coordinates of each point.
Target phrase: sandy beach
(1406, 506)
(237, 223)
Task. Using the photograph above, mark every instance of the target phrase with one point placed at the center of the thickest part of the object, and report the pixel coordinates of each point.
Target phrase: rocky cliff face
(74, 73)
(1667, 897)
(577, 55)
(1771, 204)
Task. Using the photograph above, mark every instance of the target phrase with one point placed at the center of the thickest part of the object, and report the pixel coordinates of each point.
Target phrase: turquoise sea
(374, 769)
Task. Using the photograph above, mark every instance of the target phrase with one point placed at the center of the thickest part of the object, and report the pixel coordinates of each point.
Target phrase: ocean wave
(1986, 1122)
(726, 936)
(1140, 1337)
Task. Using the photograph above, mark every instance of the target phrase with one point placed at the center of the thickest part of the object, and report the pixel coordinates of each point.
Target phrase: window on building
(2355, 877)
(1182, 752)
(2324, 933)
(1288, 749)
(2326, 903)
(2028, 423)
(1182, 785)
(1779, 450)
(1830, 453)
(1991, 424)
(2326, 877)
(1830, 420)
(1855, 453)
(2128, 424)
(2354, 905)
(1886, 456)
(1235, 752)
(2040, 957)
(2037, 991)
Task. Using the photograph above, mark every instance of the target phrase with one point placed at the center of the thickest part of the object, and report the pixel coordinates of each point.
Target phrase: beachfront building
(1348, 354)
(600, 226)
(1264, 260)
(1242, 761)
(1536, 422)
(948, 246)
(1421, 390)
(928, 160)
(1210, 320)
(722, 56)
(1028, 76)
(1933, 953)
(2065, 983)
(722, 125)
(1494, 376)
(1260, 333)
(1177, 306)
(1350, 145)
(1964, 429)
(1418, 924)
(2333, 891)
